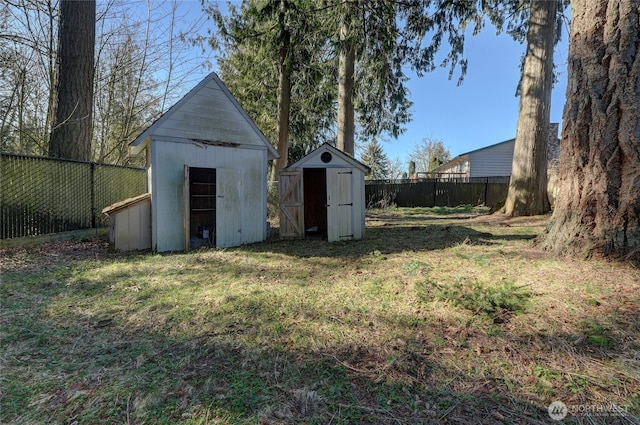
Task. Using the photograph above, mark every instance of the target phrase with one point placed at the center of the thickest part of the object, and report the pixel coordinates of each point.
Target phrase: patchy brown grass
(420, 322)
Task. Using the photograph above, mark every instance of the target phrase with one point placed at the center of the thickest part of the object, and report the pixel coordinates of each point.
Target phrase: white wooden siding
(209, 115)
(342, 185)
(455, 170)
(492, 161)
(130, 227)
(315, 162)
(340, 214)
(168, 160)
(229, 225)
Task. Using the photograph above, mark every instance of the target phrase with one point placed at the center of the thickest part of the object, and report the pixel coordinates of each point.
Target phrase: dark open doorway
(202, 203)
(315, 202)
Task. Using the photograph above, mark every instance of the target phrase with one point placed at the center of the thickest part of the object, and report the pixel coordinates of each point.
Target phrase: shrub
(496, 302)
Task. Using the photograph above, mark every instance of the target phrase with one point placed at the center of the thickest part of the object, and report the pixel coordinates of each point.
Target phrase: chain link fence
(41, 195)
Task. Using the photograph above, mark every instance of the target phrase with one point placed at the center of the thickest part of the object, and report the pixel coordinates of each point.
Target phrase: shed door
(290, 189)
(228, 208)
(339, 204)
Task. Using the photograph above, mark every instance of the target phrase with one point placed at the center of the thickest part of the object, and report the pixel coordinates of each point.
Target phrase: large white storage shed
(323, 195)
(207, 172)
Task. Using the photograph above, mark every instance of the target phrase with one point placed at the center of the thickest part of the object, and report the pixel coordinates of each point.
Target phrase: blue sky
(483, 110)
(480, 112)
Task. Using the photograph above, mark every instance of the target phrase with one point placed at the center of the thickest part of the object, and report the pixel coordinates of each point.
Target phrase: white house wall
(456, 170)
(492, 161)
(209, 115)
(168, 160)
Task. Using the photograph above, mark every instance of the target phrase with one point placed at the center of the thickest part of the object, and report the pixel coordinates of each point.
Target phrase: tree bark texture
(346, 67)
(284, 96)
(598, 207)
(71, 130)
(528, 184)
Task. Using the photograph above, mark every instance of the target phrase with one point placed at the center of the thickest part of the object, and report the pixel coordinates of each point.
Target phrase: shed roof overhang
(129, 202)
(137, 149)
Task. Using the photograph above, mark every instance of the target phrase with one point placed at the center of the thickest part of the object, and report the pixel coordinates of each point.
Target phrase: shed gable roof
(311, 157)
(110, 209)
(207, 112)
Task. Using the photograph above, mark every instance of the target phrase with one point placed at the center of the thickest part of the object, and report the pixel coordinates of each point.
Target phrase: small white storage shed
(323, 195)
(207, 172)
(130, 223)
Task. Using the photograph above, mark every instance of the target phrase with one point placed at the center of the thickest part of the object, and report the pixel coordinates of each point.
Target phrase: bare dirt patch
(52, 254)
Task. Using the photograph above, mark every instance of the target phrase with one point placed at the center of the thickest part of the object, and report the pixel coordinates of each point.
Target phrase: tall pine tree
(72, 128)
(274, 60)
(598, 207)
(376, 159)
(528, 184)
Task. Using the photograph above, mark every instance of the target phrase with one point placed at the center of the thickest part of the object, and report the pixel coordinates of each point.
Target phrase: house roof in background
(465, 156)
(487, 147)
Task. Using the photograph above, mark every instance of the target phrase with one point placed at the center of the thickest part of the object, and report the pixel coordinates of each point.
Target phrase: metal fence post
(486, 189)
(435, 191)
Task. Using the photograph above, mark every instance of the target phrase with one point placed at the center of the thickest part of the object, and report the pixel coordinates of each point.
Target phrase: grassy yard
(437, 316)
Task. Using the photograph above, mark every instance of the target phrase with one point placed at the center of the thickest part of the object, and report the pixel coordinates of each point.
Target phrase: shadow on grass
(388, 240)
(148, 356)
(83, 372)
(237, 364)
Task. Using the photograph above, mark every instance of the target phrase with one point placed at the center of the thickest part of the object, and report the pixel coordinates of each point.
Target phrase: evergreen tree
(376, 159)
(72, 129)
(528, 184)
(597, 211)
(345, 57)
(274, 62)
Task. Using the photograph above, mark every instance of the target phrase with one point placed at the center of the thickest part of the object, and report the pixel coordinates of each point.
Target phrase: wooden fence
(436, 192)
(41, 195)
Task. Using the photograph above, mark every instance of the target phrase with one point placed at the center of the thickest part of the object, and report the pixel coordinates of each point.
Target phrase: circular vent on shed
(326, 157)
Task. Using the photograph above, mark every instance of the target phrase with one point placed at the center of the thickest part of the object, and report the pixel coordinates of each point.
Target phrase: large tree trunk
(284, 106)
(528, 184)
(284, 95)
(71, 130)
(346, 65)
(598, 206)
